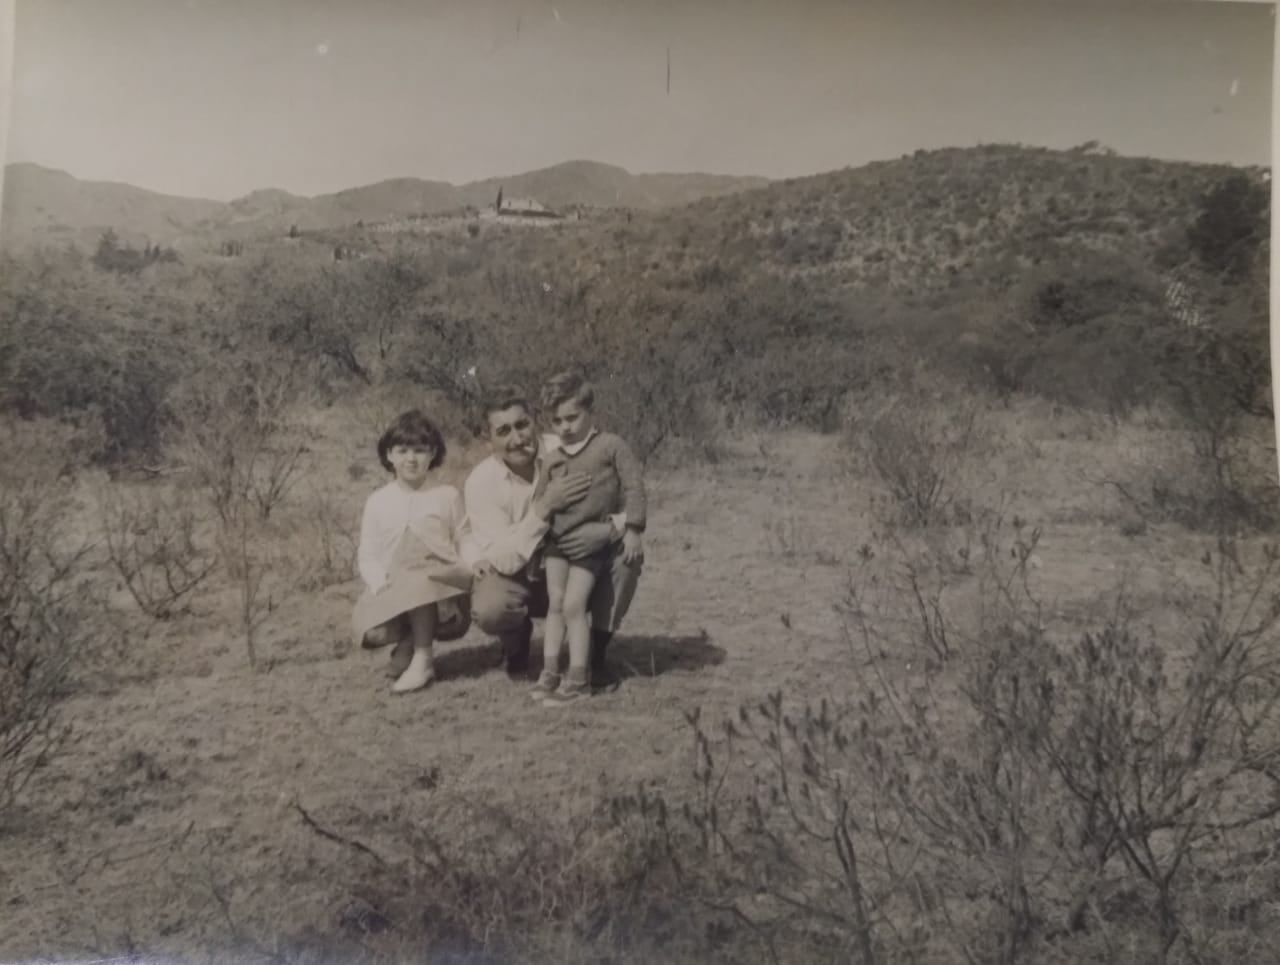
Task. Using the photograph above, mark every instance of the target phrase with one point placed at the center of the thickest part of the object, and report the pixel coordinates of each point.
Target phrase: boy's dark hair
(411, 428)
(565, 386)
(498, 398)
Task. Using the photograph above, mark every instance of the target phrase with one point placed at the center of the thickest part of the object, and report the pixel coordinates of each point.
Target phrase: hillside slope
(933, 219)
(53, 207)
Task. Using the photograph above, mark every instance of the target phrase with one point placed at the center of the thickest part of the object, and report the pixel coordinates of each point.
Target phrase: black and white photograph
(609, 482)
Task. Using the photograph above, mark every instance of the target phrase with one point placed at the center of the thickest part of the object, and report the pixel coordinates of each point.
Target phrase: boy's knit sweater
(617, 483)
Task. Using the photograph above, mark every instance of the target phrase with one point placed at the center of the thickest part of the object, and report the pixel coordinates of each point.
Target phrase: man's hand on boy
(632, 547)
(587, 539)
(562, 492)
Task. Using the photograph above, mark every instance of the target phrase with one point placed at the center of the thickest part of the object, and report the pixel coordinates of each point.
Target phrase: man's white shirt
(502, 529)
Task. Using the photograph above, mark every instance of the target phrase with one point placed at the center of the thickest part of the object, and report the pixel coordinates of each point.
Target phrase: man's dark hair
(498, 398)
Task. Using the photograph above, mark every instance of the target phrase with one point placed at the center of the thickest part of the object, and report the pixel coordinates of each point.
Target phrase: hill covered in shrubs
(1099, 281)
(935, 219)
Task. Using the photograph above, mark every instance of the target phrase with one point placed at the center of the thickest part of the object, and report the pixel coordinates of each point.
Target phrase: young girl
(617, 487)
(416, 586)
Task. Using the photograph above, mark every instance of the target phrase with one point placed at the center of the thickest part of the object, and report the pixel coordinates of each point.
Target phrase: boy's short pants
(597, 562)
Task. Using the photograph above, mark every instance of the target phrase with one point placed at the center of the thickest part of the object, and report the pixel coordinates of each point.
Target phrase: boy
(617, 487)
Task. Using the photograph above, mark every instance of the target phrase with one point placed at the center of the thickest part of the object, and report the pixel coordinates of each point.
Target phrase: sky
(217, 98)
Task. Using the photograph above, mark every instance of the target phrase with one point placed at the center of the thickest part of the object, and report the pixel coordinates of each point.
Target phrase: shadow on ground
(457, 661)
(649, 655)
(654, 655)
(629, 656)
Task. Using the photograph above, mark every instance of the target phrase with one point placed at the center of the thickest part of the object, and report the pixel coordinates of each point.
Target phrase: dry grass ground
(169, 825)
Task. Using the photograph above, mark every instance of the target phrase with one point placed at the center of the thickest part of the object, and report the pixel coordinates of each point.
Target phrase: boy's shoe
(546, 685)
(567, 693)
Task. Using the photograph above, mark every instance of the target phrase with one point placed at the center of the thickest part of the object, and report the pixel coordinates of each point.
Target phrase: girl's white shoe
(417, 675)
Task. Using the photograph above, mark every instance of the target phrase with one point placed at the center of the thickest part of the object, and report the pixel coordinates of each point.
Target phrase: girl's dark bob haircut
(411, 428)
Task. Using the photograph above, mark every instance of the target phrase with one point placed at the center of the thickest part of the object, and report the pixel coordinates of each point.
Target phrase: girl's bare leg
(402, 653)
(421, 669)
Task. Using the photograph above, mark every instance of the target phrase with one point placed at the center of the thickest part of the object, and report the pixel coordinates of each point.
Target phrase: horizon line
(1098, 149)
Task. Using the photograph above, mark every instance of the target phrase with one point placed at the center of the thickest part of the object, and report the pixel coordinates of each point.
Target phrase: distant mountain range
(46, 206)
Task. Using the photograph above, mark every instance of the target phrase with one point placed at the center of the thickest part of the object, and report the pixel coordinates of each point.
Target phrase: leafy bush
(1232, 226)
(111, 255)
(66, 353)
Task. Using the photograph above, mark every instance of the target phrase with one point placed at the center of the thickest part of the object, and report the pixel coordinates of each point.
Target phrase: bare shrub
(260, 574)
(919, 449)
(238, 436)
(47, 628)
(151, 539)
(1214, 473)
(1226, 442)
(1043, 793)
(500, 886)
(235, 431)
(329, 530)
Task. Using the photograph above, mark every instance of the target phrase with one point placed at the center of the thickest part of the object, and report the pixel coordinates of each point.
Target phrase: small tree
(236, 433)
(108, 250)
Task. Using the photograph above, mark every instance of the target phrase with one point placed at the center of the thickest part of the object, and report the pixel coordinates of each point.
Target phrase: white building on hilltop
(521, 211)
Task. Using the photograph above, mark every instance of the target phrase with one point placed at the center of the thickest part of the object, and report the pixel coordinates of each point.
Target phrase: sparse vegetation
(1061, 784)
(919, 450)
(50, 638)
(153, 541)
(945, 734)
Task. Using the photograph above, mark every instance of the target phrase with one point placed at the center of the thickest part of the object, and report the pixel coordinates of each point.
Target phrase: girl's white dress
(410, 556)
